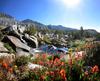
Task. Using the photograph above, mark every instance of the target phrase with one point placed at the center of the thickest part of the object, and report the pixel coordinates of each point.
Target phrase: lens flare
(71, 3)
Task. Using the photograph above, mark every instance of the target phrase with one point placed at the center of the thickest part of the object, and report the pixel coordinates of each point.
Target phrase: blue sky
(57, 12)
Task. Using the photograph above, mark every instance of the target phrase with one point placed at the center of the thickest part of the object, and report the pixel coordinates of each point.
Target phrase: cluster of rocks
(58, 40)
(7, 21)
(20, 42)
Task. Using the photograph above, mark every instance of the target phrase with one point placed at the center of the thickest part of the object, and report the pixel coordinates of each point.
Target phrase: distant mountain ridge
(91, 31)
(6, 20)
(35, 23)
(30, 21)
(52, 27)
(60, 27)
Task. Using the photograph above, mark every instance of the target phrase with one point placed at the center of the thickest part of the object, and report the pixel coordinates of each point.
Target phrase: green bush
(56, 56)
(30, 30)
(6, 45)
(47, 40)
(93, 54)
(23, 60)
(1, 35)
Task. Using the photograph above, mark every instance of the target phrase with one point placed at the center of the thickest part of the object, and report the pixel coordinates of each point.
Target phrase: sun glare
(71, 3)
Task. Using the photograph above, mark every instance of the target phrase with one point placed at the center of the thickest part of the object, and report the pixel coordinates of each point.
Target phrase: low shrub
(6, 45)
(23, 60)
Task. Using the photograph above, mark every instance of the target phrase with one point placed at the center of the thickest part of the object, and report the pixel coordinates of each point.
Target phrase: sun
(71, 3)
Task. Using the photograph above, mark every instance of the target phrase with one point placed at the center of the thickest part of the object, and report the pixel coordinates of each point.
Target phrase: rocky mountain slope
(7, 20)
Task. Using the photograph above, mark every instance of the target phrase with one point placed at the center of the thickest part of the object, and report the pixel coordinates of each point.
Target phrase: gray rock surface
(31, 40)
(33, 66)
(17, 31)
(20, 52)
(7, 21)
(17, 43)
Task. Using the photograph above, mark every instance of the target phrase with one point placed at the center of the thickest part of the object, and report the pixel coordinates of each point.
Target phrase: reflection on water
(53, 49)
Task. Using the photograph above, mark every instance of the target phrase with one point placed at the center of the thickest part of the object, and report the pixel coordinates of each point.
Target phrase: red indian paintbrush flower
(51, 73)
(5, 65)
(41, 63)
(42, 78)
(62, 63)
(44, 56)
(95, 69)
(63, 74)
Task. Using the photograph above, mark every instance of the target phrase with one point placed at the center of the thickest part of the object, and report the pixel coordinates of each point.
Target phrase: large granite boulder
(20, 52)
(15, 28)
(34, 40)
(16, 43)
(11, 30)
(17, 31)
(31, 40)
